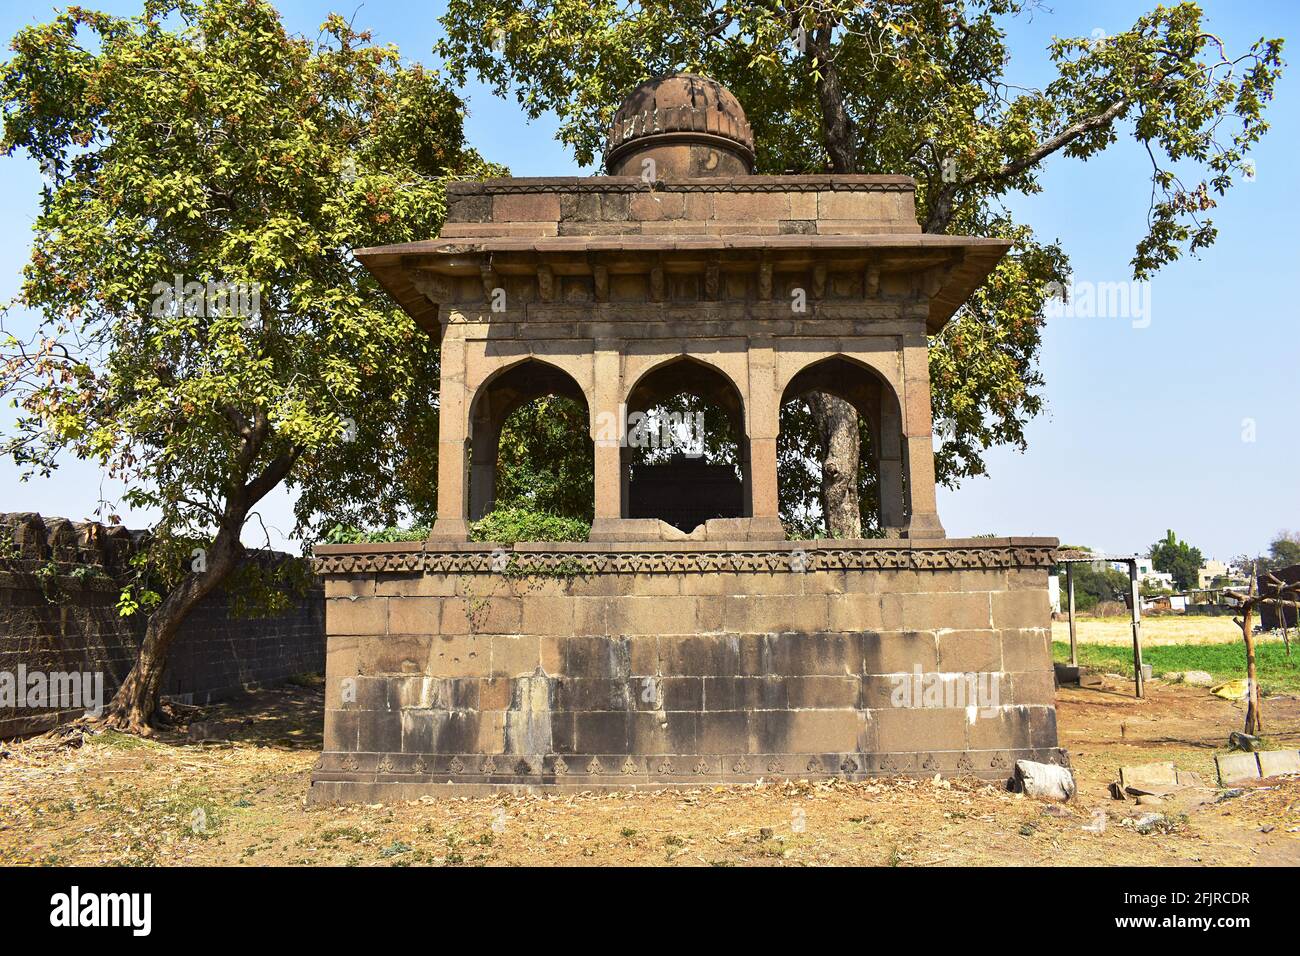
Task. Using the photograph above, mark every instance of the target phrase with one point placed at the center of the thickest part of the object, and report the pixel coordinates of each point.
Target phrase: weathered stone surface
(1274, 762)
(1045, 781)
(687, 642)
(1237, 768)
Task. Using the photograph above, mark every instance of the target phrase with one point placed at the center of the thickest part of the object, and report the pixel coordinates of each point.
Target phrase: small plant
(510, 525)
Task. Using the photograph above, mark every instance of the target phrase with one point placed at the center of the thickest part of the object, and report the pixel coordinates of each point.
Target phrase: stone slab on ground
(1159, 777)
(1237, 768)
(1274, 762)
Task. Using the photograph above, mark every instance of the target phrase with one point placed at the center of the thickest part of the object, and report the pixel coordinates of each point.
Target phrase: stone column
(763, 407)
(889, 461)
(485, 435)
(453, 421)
(918, 440)
(606, 431)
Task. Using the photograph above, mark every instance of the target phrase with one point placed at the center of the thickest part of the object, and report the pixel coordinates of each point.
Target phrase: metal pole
(1074, 643)
(1137, 627)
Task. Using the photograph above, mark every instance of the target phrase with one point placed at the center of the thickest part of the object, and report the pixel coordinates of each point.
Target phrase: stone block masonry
(582, 667)
(59, 586)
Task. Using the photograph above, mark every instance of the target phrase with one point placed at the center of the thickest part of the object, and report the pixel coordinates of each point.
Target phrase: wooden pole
(1074, 642)
(1254, 719)
(1136, 597)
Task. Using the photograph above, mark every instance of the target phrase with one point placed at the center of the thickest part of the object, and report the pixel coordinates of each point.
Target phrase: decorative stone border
(566, 562)
(633, 184)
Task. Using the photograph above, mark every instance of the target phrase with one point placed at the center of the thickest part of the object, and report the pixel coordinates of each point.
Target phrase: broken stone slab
(1157, 777)
(1190, 778)
(1044, 781)
(1275, 762)
(1237, 768)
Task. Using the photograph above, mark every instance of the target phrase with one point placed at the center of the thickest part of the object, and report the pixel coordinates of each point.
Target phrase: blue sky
(1144, 427)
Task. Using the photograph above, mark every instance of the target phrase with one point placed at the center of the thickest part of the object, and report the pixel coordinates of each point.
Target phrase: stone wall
(572, 668)
(59, 586)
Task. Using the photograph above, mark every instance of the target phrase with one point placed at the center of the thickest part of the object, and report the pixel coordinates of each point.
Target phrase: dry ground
(1156, 630)
(109, 799)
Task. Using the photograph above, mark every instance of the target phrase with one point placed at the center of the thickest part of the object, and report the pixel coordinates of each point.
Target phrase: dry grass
(119, 800)
(1156, 631)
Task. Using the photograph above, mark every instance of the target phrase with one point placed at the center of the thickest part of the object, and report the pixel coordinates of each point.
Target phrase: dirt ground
(109, 799)
(1157, 630)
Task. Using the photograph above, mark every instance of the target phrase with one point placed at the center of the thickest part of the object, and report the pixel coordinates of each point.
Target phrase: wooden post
(1069, 586)
(1254, 719)
(1138, 682)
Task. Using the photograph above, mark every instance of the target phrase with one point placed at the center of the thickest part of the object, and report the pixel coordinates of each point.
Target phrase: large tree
(918, 87)
(201, 328)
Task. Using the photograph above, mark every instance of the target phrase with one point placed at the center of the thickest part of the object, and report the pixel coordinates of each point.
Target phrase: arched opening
(685, 454)
(802, 450)
(530, 443)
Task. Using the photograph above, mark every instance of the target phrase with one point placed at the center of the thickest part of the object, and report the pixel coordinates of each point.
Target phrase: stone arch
(501, 393)
(874, 398)
(698, 491)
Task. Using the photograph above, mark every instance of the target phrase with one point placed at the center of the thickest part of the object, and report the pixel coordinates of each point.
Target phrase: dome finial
(685, 125)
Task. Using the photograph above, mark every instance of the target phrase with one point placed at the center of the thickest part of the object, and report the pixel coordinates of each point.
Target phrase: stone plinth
(473, 669)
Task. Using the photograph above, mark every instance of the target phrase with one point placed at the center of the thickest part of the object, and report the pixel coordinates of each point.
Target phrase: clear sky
(1147, 421)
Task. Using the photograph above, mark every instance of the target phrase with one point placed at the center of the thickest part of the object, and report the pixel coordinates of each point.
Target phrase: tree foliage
(1175, 556)
(196, 150)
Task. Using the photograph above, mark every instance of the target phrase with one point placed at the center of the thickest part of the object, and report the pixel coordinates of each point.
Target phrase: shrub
(509, 525)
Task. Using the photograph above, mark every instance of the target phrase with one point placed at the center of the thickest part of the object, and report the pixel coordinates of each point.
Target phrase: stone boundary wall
(566, 667)
(59, 586)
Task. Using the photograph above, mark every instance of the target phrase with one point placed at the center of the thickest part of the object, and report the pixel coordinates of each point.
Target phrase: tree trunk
(837, 424)
(836, 419)
(134, 705)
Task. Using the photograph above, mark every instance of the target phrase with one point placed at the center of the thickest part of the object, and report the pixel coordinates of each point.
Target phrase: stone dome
(689, 125)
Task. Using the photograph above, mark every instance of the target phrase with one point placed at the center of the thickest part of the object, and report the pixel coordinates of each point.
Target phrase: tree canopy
(202, 329)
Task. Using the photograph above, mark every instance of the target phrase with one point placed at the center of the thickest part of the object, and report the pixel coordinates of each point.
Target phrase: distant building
(1150, 576)
(1211, 570)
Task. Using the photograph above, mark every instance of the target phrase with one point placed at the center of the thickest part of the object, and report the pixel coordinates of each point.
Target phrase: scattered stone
(1240, 741)
(1198, 678)
(1150, 800)
(212, 730)
(1097, 824)
(1237, 768)
(1044, 781)
(1230, 794)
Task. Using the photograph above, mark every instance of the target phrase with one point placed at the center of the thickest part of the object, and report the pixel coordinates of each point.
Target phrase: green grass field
(1277, 673)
